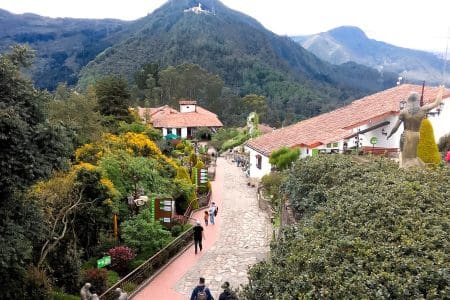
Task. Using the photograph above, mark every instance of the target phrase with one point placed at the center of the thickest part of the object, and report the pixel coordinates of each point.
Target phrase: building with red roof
(363, 125)
(183, 123)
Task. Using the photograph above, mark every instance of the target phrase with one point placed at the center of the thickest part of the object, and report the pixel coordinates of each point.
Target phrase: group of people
(201, 292)
(199, 234)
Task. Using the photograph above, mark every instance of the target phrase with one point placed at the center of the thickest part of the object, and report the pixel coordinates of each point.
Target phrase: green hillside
(249, 58)
(62, 45)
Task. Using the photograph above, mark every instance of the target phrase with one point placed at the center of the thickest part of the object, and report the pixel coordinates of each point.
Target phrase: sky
(406, 23)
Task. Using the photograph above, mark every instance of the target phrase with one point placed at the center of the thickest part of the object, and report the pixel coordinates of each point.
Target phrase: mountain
(62, 45)
(248, 57)
(344, 44)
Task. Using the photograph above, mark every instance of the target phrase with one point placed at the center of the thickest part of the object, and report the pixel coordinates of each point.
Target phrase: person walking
(198, 236)
(206, 217)
(227, 293)
(212, 213)
(201, 292)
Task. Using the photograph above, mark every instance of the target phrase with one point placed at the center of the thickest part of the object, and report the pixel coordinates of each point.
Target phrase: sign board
(374, 140)
(164, 209)
(104, 261)
(203, 176)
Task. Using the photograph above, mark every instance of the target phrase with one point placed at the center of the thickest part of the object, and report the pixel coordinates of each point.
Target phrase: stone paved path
(239, 239)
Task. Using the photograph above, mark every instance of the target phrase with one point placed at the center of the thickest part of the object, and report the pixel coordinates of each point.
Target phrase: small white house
(362, 125)
(183, 123)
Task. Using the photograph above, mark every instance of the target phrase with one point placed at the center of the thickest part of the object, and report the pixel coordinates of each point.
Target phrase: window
(258, 161)
(179, 132)
(329, 145)
(335, 145)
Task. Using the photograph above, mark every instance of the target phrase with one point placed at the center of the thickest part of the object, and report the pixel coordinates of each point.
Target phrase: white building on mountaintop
(362, 125)
(197, 10)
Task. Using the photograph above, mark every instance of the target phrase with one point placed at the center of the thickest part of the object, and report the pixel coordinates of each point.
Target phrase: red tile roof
(167, 117)
(263, 128)
(336, 125)
(187, 102)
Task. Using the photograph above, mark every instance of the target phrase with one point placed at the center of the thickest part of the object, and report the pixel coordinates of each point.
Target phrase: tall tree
(78, 112)
(113, 99)
(30, 150)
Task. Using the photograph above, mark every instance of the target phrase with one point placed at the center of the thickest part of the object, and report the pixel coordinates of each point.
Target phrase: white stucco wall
(382, 141)
(164, 131)
(187, 108)
(265, 165)
(441, 122)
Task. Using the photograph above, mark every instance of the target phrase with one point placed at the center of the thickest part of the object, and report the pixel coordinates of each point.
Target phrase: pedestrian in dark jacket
(199, 235)
(201, 291)
(227, 293)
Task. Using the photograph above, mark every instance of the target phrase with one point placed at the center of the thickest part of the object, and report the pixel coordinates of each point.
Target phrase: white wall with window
(259, 163)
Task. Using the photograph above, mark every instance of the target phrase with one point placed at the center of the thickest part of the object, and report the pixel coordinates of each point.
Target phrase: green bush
(271, 184)
(113, 278)
(427, 149)
(368, 230)
(144, 235)
(176, 230)
(284, 157)
(444, 143)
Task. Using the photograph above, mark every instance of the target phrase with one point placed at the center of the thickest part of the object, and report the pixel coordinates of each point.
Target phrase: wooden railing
(150, 268)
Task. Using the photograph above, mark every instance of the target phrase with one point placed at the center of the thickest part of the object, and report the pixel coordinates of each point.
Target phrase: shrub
(143, 234)
(271, 184)
(37, 284)
(176, 230)
(444, 143)
(284, 157)
(112, 279)
(120, 259)
(375, 232)
(427, 149)
(97, 278)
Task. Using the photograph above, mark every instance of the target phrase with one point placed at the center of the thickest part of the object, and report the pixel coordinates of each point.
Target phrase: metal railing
(150, 268)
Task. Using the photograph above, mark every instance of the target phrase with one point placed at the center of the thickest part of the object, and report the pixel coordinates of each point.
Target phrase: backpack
(201, 295)
(231, 296)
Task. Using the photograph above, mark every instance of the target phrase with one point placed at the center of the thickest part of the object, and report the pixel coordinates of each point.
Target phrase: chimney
(187, 105)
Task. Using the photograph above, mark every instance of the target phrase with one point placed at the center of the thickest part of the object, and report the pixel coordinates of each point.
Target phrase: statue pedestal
(411, 162)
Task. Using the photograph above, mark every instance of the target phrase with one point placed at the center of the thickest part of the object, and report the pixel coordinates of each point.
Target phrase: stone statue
(122, 295)
(85, 293)
(94, 297)
(411, 117)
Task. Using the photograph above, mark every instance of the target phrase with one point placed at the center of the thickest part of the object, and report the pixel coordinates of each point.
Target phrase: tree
(78, 112)
(113, 99)
(427, 150)
(257, 104)
(31, 147)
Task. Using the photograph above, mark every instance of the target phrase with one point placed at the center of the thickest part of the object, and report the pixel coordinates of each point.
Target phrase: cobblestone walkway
(244, 236)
